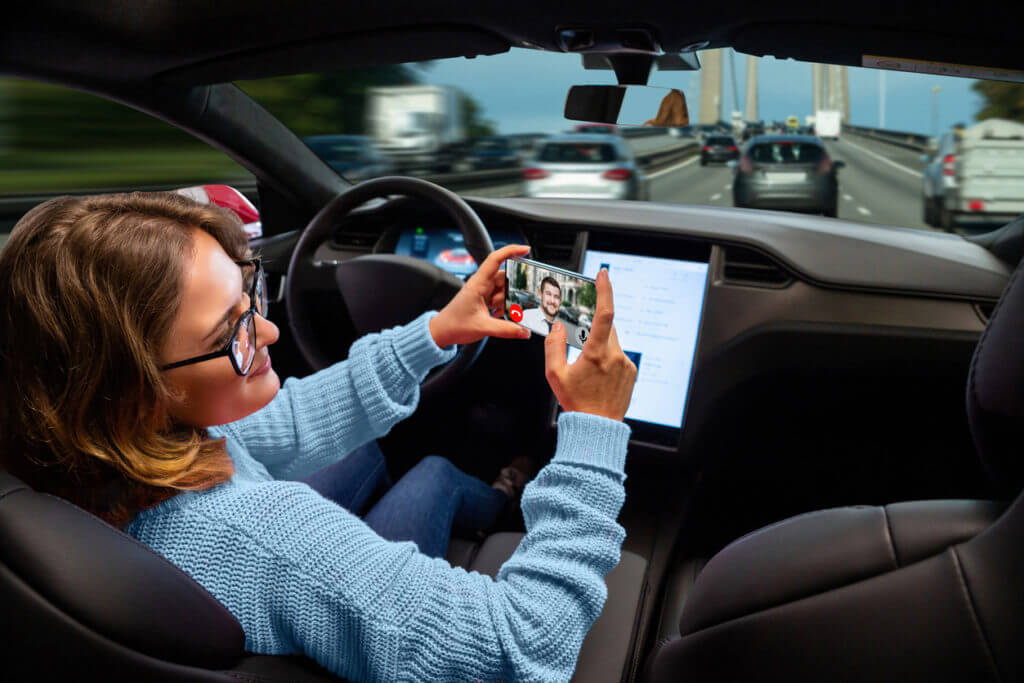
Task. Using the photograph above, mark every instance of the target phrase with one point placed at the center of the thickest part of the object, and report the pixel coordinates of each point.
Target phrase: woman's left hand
(467, 318)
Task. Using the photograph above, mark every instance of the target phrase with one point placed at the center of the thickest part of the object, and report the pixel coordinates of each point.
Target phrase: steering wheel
(379, 290)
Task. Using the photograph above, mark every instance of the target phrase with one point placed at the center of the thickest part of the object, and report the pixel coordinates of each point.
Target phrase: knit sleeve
(304, 576)
(318, 419)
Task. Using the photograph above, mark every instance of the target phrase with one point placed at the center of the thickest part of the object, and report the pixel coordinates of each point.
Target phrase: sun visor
(346, 51)
(835, 44)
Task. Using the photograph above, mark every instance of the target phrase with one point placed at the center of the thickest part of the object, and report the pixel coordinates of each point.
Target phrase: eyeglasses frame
(258, 276)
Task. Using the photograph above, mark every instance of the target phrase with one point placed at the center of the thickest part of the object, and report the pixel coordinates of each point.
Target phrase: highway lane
(880, 184)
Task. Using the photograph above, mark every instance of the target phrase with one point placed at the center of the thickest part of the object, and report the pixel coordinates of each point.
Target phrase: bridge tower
(710, 110)
(817, 87)
(750, 98)
(837, 90)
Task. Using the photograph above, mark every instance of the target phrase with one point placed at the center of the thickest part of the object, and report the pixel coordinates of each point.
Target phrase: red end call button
(515, 313)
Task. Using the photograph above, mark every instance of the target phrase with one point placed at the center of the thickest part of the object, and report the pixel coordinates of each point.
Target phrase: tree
(472, 117)
(520, 281)
(325, 103)
(1001, 100)
(586, 295)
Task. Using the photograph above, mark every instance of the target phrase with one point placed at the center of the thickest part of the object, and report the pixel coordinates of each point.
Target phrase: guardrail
(651, 160)
(915, 141)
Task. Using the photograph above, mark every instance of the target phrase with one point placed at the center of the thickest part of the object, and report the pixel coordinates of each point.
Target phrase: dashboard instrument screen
(444, 247)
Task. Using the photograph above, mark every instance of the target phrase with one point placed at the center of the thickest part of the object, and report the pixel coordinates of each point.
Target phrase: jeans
(423, 507)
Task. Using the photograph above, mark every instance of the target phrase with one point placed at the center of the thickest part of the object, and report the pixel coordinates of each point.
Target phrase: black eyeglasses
(241, 345)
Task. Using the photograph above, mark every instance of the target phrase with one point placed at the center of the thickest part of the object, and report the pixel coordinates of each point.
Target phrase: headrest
(111, 583)
(995, 390)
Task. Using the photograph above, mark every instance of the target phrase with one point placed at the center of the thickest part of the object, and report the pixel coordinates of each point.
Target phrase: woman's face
(210, 392)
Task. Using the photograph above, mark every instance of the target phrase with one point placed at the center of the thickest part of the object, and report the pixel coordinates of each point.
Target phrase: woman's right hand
(601, 380)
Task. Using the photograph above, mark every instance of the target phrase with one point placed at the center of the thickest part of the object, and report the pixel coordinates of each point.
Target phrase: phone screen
(538, 295)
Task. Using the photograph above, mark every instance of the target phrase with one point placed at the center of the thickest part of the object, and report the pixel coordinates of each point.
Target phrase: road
(880, 184)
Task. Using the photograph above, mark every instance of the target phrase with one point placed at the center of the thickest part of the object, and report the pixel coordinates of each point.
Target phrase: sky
(524, 90)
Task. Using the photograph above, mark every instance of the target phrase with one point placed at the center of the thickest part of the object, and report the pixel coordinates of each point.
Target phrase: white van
(978, 173)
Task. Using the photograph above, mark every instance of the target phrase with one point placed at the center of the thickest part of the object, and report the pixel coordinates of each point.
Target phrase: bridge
(830, 88)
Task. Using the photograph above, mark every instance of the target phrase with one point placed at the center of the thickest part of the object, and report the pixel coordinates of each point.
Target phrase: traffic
(965, 179)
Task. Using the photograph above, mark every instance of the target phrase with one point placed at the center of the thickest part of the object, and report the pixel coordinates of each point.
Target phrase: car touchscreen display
(658, 304)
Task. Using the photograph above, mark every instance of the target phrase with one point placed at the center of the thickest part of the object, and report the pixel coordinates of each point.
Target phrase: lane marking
(673, 168)
(863, 211)
(847, 197)
(903, 168)
(717, 195)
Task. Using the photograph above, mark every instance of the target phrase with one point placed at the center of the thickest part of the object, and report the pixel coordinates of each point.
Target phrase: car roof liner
(195, 42)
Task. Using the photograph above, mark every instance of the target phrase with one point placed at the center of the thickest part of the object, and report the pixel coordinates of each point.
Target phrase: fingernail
(525, 333)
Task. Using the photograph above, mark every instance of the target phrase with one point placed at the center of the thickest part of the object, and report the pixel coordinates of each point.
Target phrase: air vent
(748, 267)
(553, 246)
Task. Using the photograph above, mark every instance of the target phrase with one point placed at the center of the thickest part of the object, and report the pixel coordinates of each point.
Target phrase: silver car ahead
(585, 166)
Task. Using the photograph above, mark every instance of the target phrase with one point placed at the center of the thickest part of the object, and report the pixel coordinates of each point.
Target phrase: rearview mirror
(627, 105)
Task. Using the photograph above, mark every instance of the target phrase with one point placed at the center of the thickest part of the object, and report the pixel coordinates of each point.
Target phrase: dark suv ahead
(787, 172)
(719, 148)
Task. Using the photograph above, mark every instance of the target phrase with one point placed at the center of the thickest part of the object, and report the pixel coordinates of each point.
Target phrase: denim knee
(435, 467)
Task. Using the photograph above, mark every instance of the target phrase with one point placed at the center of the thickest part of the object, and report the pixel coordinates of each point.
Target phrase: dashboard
(710, 300)
(444, 247)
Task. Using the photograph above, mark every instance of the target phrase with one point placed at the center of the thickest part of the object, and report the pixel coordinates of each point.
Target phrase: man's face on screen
(550, 300)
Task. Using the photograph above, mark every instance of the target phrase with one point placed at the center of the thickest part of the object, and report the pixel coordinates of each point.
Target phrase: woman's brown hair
(89, 288)
(672, 111)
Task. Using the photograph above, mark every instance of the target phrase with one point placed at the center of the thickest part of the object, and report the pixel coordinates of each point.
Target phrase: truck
(417, 127)
(975, 172)
(826, 124)
(738, 124)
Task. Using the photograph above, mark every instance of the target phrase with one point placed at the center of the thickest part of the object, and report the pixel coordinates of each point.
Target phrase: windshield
(577, 153)
(786, 153)
(888, 147)
(864, 149)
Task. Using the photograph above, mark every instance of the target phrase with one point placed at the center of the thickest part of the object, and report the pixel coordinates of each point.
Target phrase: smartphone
(538, 295)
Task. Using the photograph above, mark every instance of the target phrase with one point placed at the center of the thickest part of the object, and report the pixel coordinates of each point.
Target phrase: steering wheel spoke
(379, 291)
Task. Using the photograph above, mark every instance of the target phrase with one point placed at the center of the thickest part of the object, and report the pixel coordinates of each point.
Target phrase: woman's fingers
(604, 313)
(493, 262)
(554, 352)
(506, 330)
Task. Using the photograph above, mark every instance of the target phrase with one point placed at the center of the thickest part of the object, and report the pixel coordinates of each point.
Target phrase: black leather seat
(79, 598)
(923, 591)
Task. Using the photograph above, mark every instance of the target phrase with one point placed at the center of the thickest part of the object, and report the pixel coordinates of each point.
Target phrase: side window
(55, 140)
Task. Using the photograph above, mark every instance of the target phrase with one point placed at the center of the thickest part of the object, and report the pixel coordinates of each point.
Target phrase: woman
(135, 380)
(672, 111)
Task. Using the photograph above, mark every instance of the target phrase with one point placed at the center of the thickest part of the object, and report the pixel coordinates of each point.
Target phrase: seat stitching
(889, 537)
(14, 490)
(969, 599)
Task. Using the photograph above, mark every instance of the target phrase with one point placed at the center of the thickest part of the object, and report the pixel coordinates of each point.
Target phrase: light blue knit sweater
(302, 575)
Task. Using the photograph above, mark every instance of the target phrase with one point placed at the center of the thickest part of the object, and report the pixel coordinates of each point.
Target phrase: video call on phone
(537, 296)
